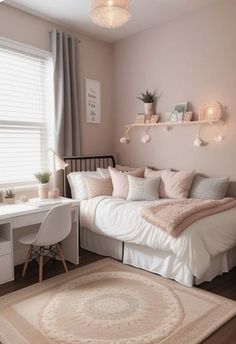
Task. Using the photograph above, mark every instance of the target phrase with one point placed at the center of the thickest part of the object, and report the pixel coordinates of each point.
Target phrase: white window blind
(26, 116)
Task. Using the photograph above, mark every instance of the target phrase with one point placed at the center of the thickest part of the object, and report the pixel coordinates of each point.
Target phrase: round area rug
(111, 307)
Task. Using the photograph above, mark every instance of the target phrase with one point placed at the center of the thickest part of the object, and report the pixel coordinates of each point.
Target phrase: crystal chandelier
(110, 13)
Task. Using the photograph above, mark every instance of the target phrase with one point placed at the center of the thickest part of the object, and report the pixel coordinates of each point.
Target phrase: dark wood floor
(223, 285)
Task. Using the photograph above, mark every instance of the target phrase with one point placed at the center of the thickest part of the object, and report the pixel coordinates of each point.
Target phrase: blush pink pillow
(176, 184)
(120, 181)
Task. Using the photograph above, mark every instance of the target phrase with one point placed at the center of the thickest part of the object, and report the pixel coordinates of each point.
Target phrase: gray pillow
(143, 189)
(209, 188)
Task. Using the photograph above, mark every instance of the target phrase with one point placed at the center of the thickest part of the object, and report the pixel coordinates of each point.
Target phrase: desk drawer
(5, 247)
(27, 220)
(6, 269)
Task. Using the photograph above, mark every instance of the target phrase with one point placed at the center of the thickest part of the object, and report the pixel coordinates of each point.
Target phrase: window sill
(22, 188)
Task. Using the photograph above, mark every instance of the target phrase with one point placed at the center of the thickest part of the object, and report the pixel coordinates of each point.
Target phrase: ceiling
(75, 14)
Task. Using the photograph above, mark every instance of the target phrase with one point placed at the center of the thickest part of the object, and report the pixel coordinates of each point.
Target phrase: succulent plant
(148, 97)
(9, 193)
(43, 177)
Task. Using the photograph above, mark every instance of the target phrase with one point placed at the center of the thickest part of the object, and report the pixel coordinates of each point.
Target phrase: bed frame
(156, 261)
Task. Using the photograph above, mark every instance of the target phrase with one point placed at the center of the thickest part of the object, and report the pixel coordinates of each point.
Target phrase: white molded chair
(55, 227)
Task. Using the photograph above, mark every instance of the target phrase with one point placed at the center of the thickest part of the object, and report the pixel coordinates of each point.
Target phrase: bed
(115, 228)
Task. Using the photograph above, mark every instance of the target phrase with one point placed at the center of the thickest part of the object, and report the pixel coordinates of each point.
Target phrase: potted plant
(9, 196)
(148, 98)
(43, 187)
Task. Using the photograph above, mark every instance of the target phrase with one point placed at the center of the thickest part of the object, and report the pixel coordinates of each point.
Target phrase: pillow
(150, 173)
(120, 181)
(143, 189)
(77, 183)
(176, 184)
(98, 186)
(209, 188)
(104, 172)
(125, 168)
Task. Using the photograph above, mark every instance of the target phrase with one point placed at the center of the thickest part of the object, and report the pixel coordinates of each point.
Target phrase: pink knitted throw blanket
(174, 216)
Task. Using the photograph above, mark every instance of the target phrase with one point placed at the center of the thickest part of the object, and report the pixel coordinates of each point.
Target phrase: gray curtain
(67, 133)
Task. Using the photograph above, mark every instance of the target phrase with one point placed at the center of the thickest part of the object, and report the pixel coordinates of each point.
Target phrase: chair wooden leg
(28, 256)
(41, 267)
(61, 254)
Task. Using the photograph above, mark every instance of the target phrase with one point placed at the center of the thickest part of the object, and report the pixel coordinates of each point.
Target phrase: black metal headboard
(85, 163)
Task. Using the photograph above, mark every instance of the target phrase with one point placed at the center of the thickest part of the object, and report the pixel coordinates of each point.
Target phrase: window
(26, 112)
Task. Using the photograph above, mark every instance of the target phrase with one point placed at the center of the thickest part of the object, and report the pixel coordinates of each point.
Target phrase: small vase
(43, 190)
(148, 108)
(9, 200)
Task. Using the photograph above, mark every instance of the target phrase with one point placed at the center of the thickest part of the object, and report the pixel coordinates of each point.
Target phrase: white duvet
(121, 219)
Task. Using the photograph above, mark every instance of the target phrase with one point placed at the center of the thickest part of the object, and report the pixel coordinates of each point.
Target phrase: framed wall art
(93, 101)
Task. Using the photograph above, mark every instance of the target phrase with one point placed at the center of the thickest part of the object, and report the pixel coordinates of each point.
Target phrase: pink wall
(192, 58)
(94, 61)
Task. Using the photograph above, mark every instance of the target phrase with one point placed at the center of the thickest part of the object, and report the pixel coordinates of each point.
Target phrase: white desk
(22, 215)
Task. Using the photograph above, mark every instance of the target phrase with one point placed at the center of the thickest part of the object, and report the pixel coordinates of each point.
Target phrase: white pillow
(78, 185)
(143, 189)
(104, 172)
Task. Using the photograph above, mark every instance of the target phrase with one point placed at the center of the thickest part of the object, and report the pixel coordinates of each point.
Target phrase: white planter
(147, 108)
(9, 200)
(43, 190)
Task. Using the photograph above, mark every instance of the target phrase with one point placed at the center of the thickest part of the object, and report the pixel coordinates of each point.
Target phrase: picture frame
(181, 107)
(93, 101)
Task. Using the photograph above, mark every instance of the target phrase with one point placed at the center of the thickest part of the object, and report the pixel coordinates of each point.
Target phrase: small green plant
(9, 193)
(148, 97)
(43, 177)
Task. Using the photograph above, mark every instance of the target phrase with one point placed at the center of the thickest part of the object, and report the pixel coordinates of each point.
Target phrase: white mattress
(121, 220)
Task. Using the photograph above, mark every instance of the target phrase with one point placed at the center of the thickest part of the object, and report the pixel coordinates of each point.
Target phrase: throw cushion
(120, 181)
(98, 187)
(77, 183)
(176, 184)
(143, 189)
(209, 188)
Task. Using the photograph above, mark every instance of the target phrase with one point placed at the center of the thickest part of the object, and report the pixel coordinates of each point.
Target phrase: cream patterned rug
(110, 303)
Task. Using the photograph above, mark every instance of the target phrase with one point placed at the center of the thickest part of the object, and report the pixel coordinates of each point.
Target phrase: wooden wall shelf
(170, 124)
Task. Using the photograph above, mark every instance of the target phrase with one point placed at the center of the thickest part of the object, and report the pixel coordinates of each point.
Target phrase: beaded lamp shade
(110, 13)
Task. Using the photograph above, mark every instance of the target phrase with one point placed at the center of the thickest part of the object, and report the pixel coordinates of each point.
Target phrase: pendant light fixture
(110, 13)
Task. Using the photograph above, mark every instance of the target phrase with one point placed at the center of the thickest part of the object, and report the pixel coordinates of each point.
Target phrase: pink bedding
(174, 216)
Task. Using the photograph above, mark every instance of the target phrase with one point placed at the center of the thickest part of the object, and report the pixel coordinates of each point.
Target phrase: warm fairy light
(210, 111)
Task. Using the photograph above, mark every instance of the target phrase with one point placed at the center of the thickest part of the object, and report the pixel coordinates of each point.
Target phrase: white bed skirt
(100, 244)
(159, 262)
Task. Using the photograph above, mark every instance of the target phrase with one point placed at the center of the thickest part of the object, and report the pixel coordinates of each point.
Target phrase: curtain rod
(77, 40)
